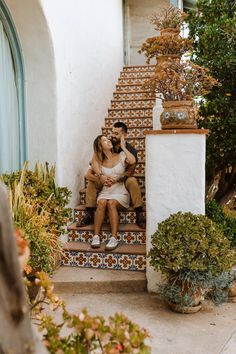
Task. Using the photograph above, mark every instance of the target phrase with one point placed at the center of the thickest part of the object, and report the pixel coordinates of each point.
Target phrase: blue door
(12, 112)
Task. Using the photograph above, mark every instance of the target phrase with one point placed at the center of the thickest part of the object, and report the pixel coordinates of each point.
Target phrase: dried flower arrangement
(170, 17)
(176, 80)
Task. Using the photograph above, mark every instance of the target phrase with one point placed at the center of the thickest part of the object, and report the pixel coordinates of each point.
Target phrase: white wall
(175, 180)
(138, 27)
(73, 53)
(88, 43)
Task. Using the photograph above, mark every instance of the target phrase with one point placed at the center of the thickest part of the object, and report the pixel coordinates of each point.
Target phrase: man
(96, 181)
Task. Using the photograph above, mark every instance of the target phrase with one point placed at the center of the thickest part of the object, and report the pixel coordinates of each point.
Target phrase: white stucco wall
(88, 44)
(138, 27)
(175, 181)
(73, 53)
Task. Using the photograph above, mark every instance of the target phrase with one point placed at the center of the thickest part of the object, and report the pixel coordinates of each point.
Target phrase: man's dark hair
(121, 125)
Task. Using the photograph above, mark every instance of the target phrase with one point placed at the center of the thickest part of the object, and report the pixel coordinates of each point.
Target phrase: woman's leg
(99, 215)
(113, 206)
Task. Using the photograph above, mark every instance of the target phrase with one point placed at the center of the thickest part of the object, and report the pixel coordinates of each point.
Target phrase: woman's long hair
(97, 146)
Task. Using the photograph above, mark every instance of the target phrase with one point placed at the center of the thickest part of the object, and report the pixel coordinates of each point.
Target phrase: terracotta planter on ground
(184, 309)
(232, 293)
(179, 115)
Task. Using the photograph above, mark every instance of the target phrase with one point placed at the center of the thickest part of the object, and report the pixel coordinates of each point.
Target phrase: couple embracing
(111, 174)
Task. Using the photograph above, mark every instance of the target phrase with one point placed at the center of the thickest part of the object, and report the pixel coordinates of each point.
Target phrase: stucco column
(175, 179)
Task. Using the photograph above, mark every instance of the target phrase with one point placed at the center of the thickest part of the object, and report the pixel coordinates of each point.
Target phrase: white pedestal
(175, 179)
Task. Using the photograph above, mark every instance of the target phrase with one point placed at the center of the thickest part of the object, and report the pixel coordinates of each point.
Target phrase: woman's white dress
(117, 191)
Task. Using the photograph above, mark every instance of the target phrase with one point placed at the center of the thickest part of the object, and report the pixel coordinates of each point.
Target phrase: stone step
(131, 104)
(133, 121)
(136, 74)
(130, 234)
(142, 95)
(71, 280)
(140, 177)
(125, 257)
(130, 88)
(130, 112)
(133, 132)
(83, 190)
(133, 80)
(127, 216)
(140, 67)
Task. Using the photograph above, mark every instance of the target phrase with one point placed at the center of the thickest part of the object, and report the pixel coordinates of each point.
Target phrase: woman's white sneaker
(95, 243)
(112, 244)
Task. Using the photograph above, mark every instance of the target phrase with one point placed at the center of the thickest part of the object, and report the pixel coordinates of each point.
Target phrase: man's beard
(115, 141)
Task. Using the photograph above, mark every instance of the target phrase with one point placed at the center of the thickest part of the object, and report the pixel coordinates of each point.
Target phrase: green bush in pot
(189, 250)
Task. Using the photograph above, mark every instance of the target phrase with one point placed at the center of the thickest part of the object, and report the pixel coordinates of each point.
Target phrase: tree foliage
(212, 26)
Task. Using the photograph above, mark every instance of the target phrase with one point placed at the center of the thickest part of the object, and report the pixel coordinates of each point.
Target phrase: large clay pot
(179, 115)
(170, 32)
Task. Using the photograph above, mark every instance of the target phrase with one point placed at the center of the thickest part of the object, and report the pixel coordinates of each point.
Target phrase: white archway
(40, 78)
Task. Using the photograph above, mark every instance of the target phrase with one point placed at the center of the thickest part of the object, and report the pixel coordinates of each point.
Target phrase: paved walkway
(210, 331)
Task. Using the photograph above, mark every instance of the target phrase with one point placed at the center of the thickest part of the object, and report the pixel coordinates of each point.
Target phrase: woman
(110, 166)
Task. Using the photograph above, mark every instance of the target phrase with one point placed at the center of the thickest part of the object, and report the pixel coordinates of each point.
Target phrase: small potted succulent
(189, 250)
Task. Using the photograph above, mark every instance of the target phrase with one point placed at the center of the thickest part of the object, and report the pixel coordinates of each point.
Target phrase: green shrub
(225, 219)
(190, 242)
(38, 208)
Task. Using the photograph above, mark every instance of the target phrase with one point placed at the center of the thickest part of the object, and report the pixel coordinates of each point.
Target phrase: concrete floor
(210, 331)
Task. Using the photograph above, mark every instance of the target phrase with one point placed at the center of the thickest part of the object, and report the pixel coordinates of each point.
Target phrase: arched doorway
(13, 147)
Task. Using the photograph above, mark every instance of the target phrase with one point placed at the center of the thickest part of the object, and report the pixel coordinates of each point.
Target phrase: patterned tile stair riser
(134, 106)
(130, 88)
(136, 75)
(105, 260)
(134, 122)
(133, 96)
(148, 68)
(129, 113)
(125, 237)
(133, 132)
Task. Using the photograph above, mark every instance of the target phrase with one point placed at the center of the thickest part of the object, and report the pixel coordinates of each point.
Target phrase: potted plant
(189, 250)
(169, 21)
(175, 81)
(169, 44)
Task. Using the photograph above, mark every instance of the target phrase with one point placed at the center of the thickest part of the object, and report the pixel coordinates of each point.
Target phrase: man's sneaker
(112, 244)
(140, 219)
(88, 219)
(95, 243)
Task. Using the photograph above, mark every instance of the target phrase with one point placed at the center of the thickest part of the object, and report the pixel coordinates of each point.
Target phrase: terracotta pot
(184, 309)
(179, 115)
(232, 290)
(170, 31)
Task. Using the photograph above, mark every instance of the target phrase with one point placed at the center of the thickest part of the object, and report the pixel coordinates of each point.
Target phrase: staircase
(134, 106)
